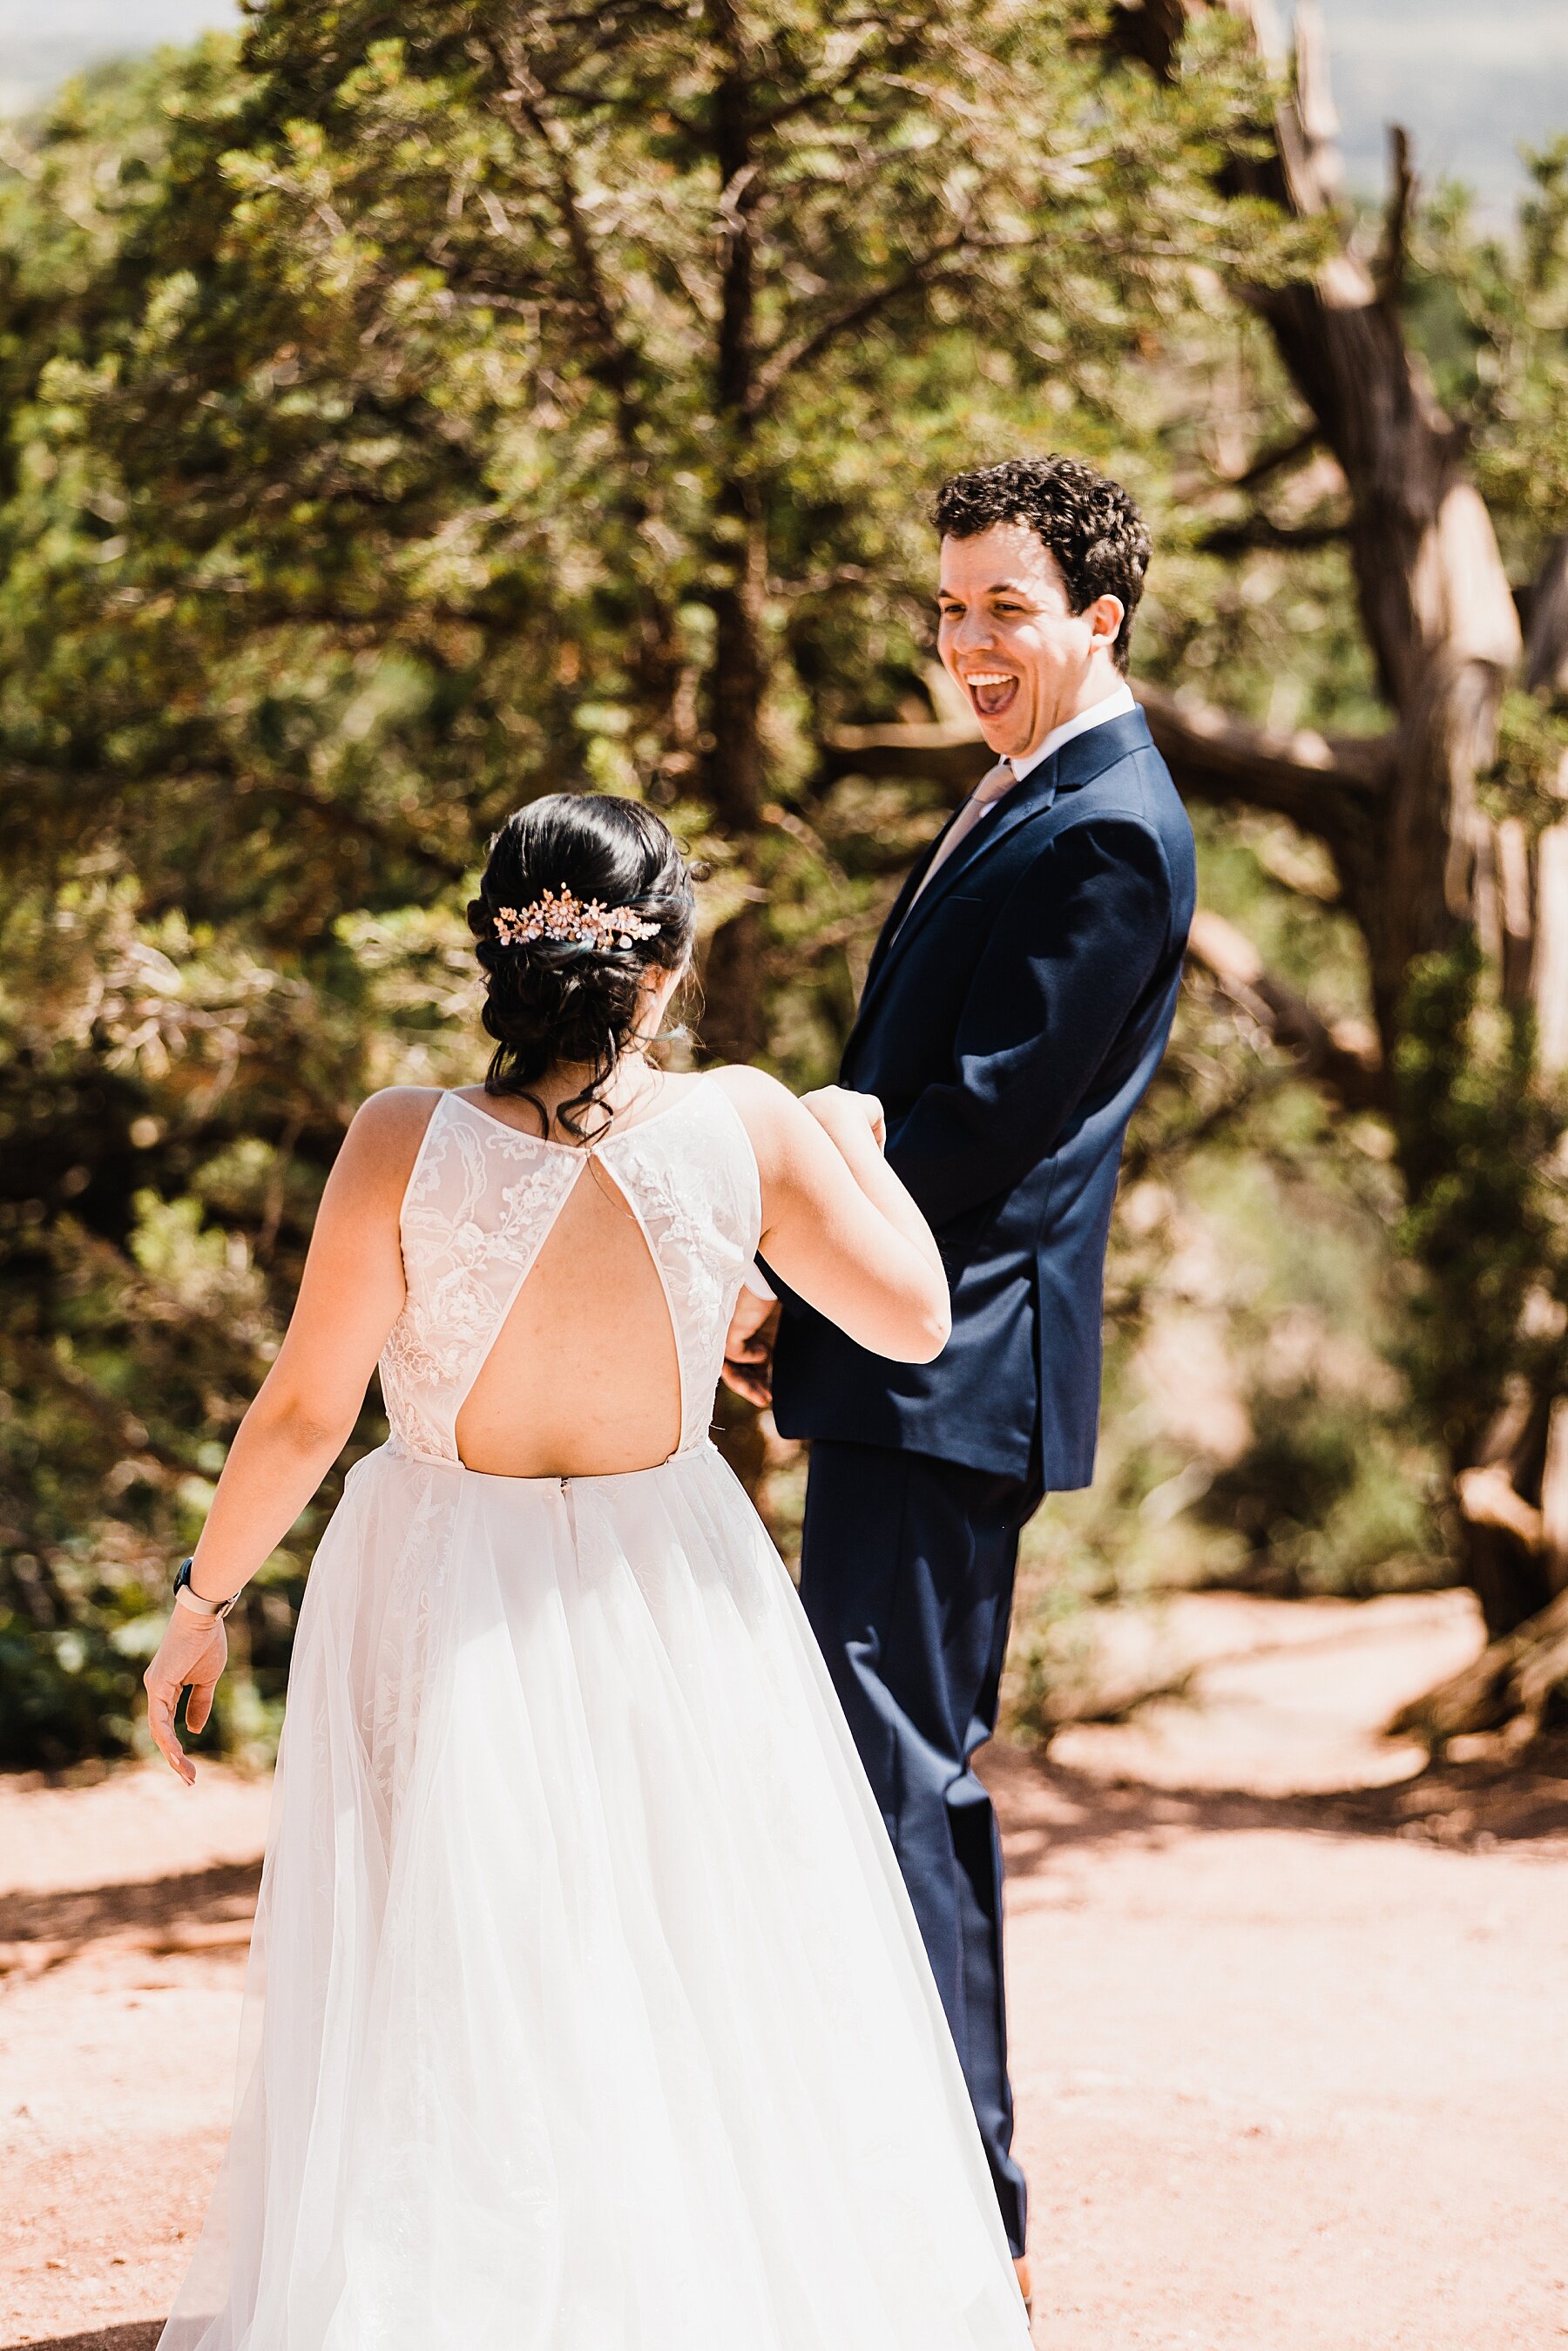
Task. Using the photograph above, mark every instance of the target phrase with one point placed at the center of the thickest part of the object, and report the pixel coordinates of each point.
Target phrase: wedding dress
(595, 2018)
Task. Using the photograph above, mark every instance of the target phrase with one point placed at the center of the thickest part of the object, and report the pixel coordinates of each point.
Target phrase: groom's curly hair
(1089, 523)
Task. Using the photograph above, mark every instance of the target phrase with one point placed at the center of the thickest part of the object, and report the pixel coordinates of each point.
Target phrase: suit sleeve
(1073, 950)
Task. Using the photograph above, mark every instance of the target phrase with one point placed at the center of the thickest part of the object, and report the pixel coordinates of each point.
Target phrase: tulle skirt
(586, 2009)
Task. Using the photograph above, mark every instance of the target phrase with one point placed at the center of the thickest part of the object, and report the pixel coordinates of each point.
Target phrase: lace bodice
(479, 1205)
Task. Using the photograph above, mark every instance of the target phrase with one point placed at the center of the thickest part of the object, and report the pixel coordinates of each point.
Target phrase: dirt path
(1291, 2044)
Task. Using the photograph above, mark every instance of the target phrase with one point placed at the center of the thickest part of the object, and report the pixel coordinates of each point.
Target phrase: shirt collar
(1116, 705)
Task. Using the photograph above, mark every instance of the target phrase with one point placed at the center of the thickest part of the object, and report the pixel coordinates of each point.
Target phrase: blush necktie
(992, 787)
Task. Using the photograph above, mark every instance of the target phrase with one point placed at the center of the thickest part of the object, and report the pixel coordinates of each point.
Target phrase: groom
(1016, 1009)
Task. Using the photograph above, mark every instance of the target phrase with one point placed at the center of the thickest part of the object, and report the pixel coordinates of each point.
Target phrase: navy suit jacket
(1010, 1025)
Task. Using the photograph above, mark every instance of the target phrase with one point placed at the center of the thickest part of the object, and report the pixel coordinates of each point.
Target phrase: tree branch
(617, 359)
(1514, 1679)
(1388, 269)
(337, 817)
(122, 1428)
(1488, 1498)
(28, 783)
(1269, 462)
(1256, 530)
(1342, 1055)
(1329, 785)
(955, 756)
(785, 358)
(1546, 648)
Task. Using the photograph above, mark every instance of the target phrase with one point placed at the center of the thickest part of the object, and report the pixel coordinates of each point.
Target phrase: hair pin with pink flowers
(575, 921)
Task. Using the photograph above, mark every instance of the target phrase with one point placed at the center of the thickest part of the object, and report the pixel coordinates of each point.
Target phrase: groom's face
(1010, 638)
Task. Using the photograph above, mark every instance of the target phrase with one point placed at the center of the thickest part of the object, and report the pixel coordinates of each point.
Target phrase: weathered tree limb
(1546, 648)
(1488, 1498)
(1342, 1055)
(1550, 983)
(1255, 531)
(953, 756)
(1329, 785)
(1515, 1680)
(786, 359)
(1554, 1496)
(1388, 270)
(1277, 460)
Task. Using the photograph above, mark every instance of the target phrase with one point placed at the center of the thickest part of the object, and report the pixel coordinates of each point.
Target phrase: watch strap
(217, 1609)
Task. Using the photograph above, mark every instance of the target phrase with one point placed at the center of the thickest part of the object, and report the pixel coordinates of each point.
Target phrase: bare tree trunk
(733, 1021)
(1421, 860)
(1435, 599)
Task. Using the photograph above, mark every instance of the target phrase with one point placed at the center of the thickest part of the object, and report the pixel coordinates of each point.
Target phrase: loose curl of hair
(550, 1001)
(1088, 522)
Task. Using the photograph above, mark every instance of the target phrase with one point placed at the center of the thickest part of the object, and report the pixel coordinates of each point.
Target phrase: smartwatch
(217, 1609)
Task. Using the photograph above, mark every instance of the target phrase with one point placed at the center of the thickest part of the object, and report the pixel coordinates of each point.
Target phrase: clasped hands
(754, 1325)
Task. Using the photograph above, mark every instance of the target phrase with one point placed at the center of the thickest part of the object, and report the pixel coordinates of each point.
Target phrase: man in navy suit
(1016, 1009)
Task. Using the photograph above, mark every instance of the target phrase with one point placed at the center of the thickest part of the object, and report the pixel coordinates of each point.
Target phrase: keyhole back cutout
(584, 1377)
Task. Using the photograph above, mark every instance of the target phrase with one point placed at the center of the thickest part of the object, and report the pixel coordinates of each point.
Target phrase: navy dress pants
(907, 1574)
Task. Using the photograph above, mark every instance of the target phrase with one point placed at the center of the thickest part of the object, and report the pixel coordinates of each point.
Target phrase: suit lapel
(1077, 763)
(1032, 798)
(901, 904)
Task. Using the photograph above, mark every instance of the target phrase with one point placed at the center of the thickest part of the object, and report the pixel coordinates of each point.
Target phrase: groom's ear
(1106, 616)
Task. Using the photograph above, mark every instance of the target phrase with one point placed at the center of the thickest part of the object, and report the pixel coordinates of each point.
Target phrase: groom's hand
(748, 1348)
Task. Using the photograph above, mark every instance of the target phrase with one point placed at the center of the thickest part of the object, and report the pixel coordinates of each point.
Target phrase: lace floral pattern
(479, 1207)
(693, 1183)
(478, 1210)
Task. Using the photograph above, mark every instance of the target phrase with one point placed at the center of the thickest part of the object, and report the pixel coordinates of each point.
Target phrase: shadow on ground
(1471, 1806)
(142, 2335)
(198, 1905)
(1462, 1807)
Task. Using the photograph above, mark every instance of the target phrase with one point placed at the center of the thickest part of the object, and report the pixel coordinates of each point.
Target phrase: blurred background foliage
(401, 427)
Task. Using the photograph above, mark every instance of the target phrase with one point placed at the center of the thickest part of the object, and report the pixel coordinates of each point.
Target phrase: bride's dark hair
(551, 1000)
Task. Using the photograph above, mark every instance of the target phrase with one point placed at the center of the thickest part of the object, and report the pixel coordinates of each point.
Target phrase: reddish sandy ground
(1291, 2048)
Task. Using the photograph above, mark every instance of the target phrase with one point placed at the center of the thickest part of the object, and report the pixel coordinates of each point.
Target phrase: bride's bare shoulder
(756, 1095)
(776, 1121)
(384, 1138)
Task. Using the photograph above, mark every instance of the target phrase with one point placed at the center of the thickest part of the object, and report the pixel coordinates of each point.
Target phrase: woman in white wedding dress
(586, 2009)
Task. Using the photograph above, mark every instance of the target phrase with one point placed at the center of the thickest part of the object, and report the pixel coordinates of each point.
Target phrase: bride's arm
(837, 1223)
(350, 1294)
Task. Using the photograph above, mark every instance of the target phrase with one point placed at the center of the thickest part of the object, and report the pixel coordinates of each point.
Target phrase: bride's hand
(191, 1655)
(833, 1106)
(748, 1348)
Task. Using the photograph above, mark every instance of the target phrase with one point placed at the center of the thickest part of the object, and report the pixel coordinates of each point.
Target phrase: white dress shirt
(1114, 704)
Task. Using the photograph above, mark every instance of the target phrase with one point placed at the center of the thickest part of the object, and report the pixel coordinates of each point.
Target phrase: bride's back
(583, 1376)
(566, 1308)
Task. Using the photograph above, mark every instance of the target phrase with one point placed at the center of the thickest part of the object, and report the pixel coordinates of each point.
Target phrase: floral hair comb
(558, 914)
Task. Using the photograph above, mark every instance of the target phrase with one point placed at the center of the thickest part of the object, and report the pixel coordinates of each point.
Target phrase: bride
(595, 2015)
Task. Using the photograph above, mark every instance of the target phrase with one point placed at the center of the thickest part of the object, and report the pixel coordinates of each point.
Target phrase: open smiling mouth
(991, 691)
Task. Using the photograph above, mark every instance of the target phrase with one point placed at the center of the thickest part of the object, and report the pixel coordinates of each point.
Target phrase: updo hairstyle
(550, 1000)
